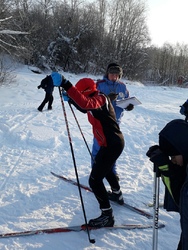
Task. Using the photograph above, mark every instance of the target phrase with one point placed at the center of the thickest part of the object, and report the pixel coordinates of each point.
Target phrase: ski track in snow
(34, 143)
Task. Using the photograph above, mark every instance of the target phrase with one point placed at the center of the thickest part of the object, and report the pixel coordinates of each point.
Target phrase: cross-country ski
(75, 229)
(126, 205)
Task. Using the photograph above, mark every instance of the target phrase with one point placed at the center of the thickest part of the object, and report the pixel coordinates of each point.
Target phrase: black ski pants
(48, 99)
(103, 168)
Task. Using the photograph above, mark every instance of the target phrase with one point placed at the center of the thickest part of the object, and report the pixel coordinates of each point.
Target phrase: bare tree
(128, 33)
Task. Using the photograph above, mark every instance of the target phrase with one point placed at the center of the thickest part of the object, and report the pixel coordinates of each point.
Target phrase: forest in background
(85, 36)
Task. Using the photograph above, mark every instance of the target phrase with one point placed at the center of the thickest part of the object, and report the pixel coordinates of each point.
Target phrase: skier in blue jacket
(112, 86)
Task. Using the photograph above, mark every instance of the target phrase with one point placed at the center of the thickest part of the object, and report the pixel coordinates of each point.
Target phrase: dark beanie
(167, 147)
(114, 68)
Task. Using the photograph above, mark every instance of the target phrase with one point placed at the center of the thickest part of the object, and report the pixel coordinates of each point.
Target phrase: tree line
(84, 36)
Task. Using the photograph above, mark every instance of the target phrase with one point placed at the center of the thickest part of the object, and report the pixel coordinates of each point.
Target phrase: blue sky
(167, 21)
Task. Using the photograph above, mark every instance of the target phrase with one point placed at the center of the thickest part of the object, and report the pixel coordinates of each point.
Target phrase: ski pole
(75, 168)
(156, 207)
(81, 131)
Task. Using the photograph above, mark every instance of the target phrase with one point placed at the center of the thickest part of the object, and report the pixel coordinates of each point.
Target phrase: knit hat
(176, 133)
(86, 86)
(167, 147)
(114, 68)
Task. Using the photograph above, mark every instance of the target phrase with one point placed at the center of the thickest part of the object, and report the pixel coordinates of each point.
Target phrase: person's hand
(151, 150)
(65, 84)
(64, 81)
(157, 156)
(184, 108)
(129, 107)
(39, 87)
(113, 96)
(65, 96)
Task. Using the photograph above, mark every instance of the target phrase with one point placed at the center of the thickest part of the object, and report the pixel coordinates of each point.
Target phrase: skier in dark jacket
(171, 158)
(101, 115)
(47, 85)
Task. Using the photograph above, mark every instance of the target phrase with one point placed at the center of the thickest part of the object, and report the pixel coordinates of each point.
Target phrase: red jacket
(101, 115)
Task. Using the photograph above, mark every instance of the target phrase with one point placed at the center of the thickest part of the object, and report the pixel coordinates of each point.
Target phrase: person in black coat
(47, 85)
(171, 159)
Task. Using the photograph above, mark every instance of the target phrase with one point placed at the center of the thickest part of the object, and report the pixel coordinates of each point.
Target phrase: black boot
(105, 220)
(116, 196)
(39, 109)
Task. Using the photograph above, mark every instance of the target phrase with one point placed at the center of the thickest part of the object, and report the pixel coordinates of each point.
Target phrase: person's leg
(51, 98)
(184, 216)
(115, 194)
(180, 244)
(95, 149)
(96, 183)
(102, 166)
(46, 99)
(99, 170)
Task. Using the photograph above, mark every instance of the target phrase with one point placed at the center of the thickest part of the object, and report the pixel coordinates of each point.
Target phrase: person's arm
(84, 103)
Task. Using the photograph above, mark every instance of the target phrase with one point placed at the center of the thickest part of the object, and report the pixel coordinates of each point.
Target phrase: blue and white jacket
(106, 86)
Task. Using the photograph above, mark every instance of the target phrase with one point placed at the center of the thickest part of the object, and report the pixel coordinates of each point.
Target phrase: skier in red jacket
(102, 117)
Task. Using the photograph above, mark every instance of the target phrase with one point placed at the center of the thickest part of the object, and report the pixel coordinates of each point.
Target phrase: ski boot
(116, 196)
(106, 219)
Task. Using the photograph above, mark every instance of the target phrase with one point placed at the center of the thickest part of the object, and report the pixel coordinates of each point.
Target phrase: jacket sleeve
(173, 177)
(86, 103)
(76, 106)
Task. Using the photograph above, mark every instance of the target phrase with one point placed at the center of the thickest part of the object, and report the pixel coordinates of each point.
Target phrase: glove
(184, 109)
(64, 81)
(129, 107)
(157, 156)
(151, 150)
(65, 84)
(113, 96)
(65, 96)
(39, 87)
(160, 161)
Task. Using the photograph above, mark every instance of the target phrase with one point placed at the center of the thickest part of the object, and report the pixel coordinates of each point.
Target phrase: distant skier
(47, 85)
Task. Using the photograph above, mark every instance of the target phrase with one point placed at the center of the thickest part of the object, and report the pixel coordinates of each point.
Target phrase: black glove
(157, 156)
(129, 107)
(64, 80)
(39, 87)
(113, 96)
(184, 108)
(151, 150)
(65, 84)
